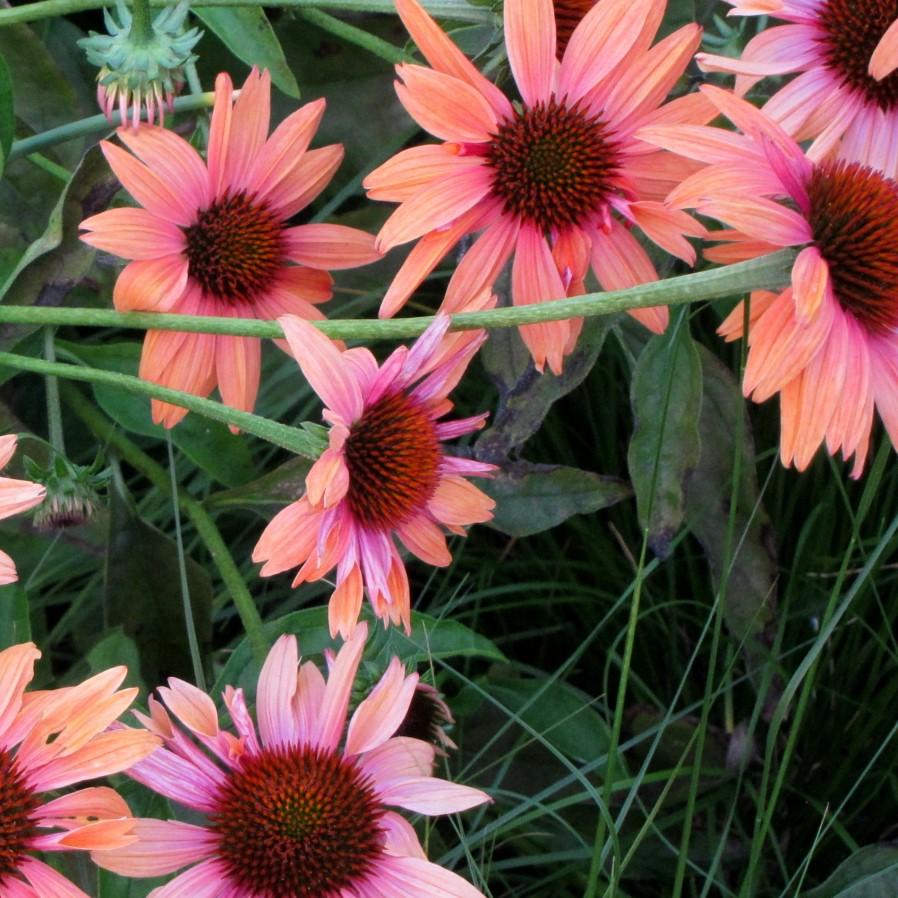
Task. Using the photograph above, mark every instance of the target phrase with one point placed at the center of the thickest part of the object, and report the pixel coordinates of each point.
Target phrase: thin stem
(199, 517)
(54, 410)
(459, 10)
(94, 124)
(766, 272)
(189, 623)
(291, 438)
(141, 23)
(353, 35)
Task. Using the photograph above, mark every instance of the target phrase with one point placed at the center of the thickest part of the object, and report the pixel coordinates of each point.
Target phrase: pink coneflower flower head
(212, 238)
(48, 741)
(846, 53)
(558, 181)
(16, 496)
(293, 809)
(384, 473)
(828, 343)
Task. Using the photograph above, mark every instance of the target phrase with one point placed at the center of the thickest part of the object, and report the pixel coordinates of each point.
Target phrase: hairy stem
(764, 273)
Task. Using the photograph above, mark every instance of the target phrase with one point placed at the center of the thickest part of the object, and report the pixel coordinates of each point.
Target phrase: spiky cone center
(297, 822)
(17, 826)
(553, 164)
(393, 456)
(852, 30)
(854, 220)
(234, 248)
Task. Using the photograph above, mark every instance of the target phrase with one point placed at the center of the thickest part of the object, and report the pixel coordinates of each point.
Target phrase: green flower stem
(95, 124)
(205, 525)
(767, 272)
(459, 10)
(141, 23)
(54, 409)
(353, 35)
(291, 438)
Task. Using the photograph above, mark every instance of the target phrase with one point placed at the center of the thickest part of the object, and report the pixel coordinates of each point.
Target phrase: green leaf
(15, 619)
(143, 593)
(58, 260)
(561, 713)
(7, 113)
(283, 485)
(208, 444)
(871, 872)
(525, 395)
(531, 498)
(431, 638)
(247, 33)
(751, 571)
(666, 397)
(113, 649)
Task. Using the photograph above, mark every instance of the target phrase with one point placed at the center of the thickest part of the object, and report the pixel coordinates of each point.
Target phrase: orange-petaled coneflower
(846, 54)
(294, 804)
(828, 343)
(214, 238)
(50, 740)
(557, 181)
(385, 473)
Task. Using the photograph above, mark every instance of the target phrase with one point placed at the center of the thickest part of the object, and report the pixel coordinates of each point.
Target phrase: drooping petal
(238, 369)
(810, 281)
(412, 877)
(334, 705)
(535, 279)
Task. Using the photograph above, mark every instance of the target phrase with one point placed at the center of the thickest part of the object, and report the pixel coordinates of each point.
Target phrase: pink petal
(202, 881)
(431, 796)
(398, 759)
(249, 128)
(445, 57)
(133, 234)
(158, 197)
(884, 60)
(458, 503)
(436, 205)
(810, 281)
(162, 847)
(307, 701)
(666, 227)
(46, 881)
(425, 255)
(446, 107)
(16, 672)
(303, 181)
(412, 877)
(345, 604)
(400, 838)
(382, 712)
(153, 285)
(7, 448)
(17, 496)
(322, 364)
(276, 691)
(481, 264)
(329, 246)
(173, 159)
(284, 151)
(424, 539)
(237, 367)
(332, 714)
(220, 132)
(400, 177)
(530, 42)
(535, 279)
(603, 38)
(760, 218)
